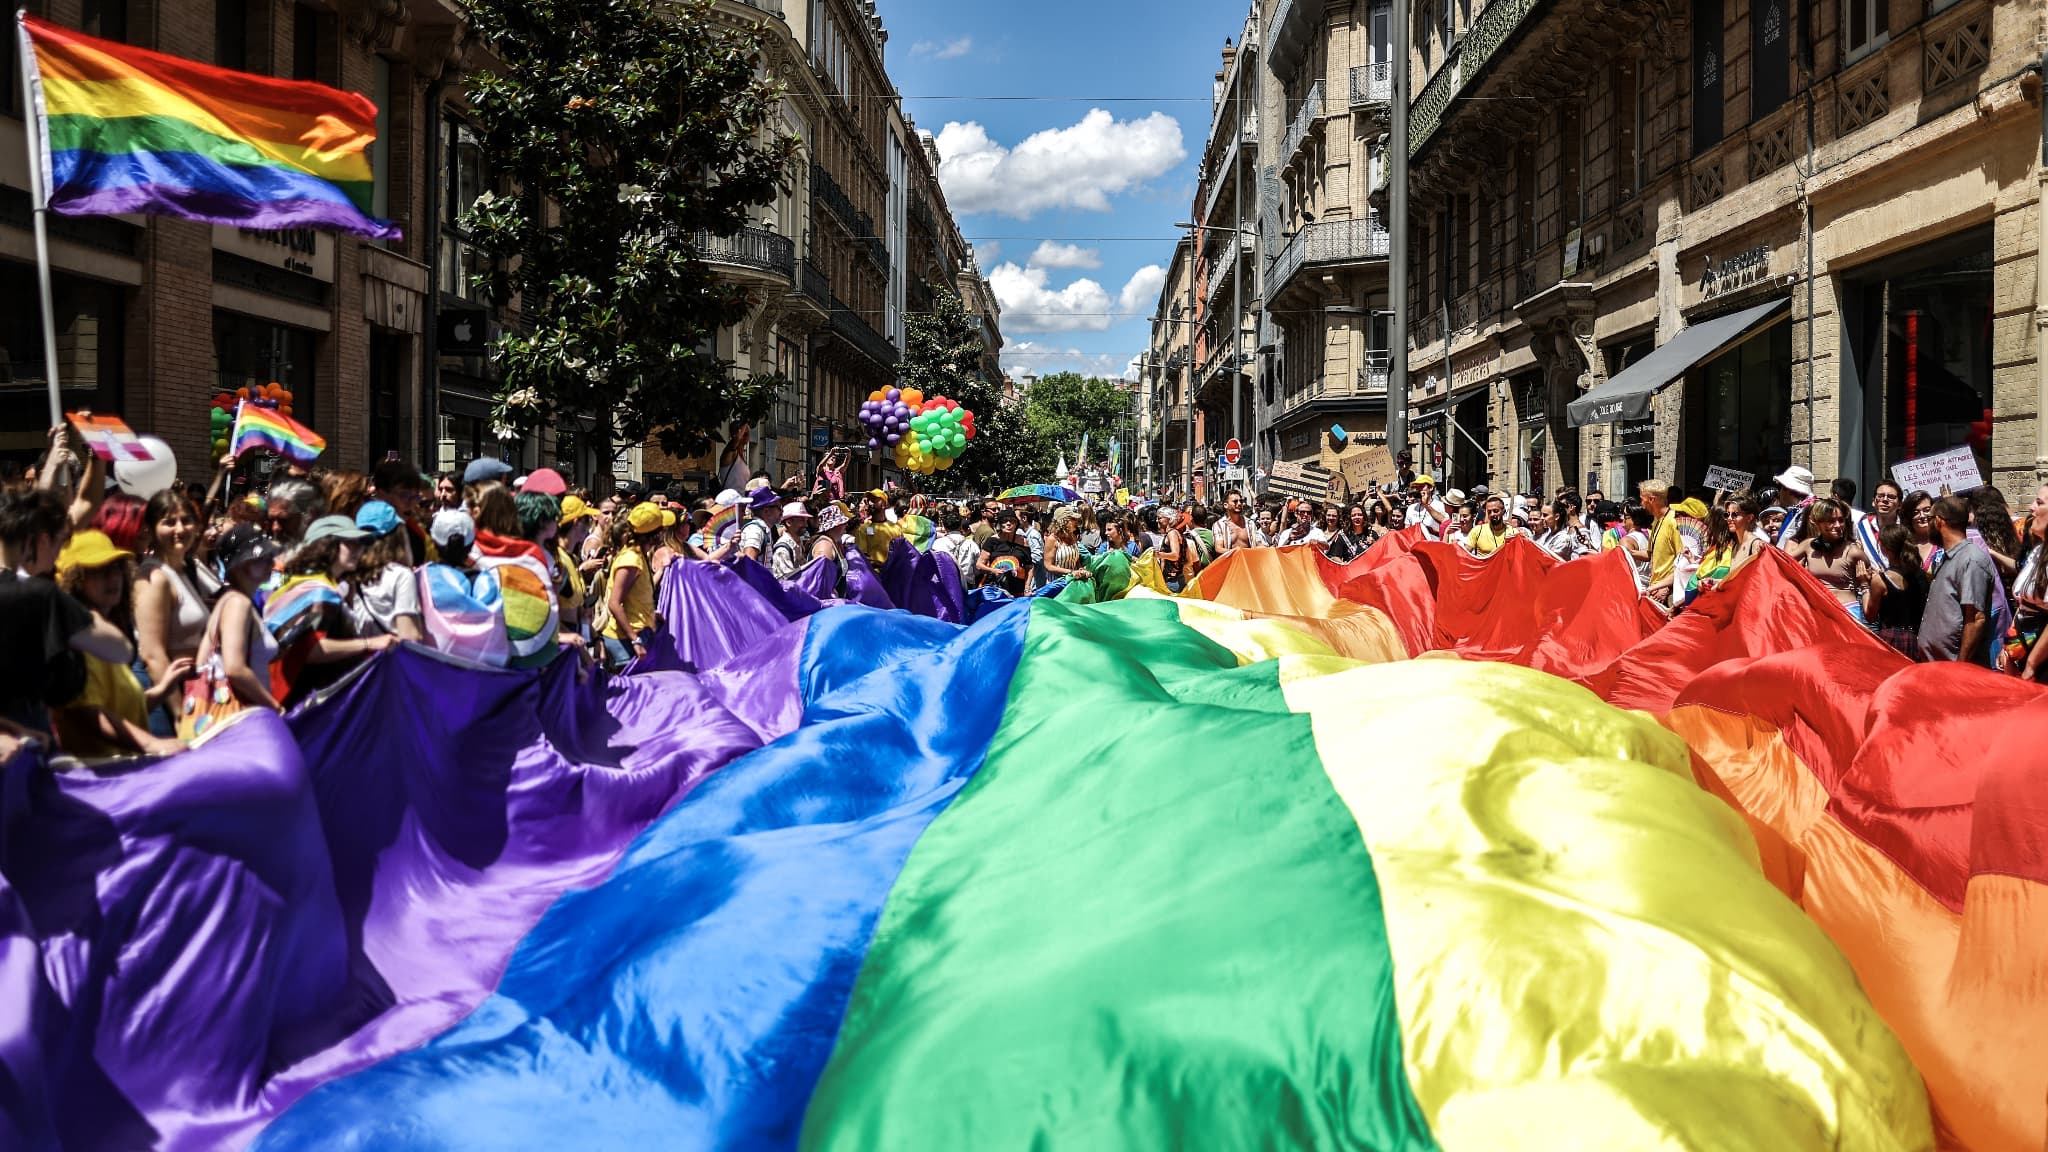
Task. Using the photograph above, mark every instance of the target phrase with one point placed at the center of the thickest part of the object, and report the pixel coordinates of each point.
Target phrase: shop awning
(1627, 396)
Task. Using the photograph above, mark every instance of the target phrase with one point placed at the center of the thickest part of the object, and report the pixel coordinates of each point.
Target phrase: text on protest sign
(1955, 469)
(1721, 479)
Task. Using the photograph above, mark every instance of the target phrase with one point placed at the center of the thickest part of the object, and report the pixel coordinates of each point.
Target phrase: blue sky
(1070, 203)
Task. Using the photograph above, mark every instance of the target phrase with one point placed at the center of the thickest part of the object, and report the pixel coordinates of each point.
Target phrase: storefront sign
(306, 251)
(1635, 437)
(821, 437)
(1743, 269)
(1954, 470)
(1721, 479)
(461, 331)
(1571, 252)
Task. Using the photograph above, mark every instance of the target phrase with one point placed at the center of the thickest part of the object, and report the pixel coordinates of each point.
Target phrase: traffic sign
(1232, 451)
(1235, 475)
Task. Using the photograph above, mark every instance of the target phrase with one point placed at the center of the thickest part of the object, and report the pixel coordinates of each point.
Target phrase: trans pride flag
(125, 129)
(1253, 868)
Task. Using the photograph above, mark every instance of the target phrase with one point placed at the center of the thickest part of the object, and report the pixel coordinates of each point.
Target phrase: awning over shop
(1627, 396)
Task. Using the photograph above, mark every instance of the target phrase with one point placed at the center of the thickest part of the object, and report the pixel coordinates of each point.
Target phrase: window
(1482, 212)
(1571, 168)
(1863, 24)
(1628, 129)
(1456, 259)
(1770, 50)
(309, 39)
(248, 352)
(231, 34)
(380, 149)
(1707, 92)
(462, 183)
(388, 373)
(1525, 202)
(106, 19)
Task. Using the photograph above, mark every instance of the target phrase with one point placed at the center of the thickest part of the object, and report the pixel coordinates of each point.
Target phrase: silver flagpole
(39, 199)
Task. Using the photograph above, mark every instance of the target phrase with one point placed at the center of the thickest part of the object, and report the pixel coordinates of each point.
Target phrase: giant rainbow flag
(1420, 852)
(125, 129)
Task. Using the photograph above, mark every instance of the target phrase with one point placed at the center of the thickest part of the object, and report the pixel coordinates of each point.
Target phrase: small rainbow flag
(125, 129)
(271, 430)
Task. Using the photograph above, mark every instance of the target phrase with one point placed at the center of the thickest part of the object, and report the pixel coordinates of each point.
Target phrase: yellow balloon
(944, 463)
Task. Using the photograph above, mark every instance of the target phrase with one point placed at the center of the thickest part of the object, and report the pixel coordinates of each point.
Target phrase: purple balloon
(893, 393)
(893, 438)
(874, 443)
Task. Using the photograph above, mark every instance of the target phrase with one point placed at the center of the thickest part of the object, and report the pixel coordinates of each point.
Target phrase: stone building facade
(1326, 92)
(1825, 216)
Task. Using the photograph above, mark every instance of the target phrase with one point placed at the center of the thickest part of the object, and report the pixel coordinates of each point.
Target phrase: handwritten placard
(1367, 466)
(1955, 469)
(1721, 479)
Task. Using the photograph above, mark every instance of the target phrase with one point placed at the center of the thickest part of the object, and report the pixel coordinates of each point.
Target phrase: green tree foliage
(619, 130)
(1066, 405)
(943, 358)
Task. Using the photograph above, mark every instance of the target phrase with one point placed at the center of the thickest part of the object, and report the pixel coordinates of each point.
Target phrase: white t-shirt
(375, 607)
(1415, 515)
(965, 553)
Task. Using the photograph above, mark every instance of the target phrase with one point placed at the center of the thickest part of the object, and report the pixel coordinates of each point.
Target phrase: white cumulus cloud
(1078, 167)
(943, 50)
(1053, 254)
(1032, 304)
(1024, 356)
(986, 252)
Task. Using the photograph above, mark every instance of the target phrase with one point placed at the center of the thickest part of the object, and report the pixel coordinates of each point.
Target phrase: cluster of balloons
(887, 413)
(221, 422)
(937, 436)
(928, 435)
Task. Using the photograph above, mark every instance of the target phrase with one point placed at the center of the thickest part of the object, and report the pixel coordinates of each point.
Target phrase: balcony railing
(771, 7)
(847, 324)
(751, 248)
(1306, 119)
(1225, 174)
(1221, 264)
(827, 191)
(1327, 242)
(1496, 24)
(812, 285)
(1372, 84)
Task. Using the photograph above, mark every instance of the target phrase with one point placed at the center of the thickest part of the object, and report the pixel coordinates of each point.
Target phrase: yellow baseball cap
(88, 550)
(648, 518)
(574, 508)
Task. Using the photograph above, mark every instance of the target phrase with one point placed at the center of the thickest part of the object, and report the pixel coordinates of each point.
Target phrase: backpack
(464, 615)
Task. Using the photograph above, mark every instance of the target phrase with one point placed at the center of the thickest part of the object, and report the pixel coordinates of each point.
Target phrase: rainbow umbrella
(1026, 493)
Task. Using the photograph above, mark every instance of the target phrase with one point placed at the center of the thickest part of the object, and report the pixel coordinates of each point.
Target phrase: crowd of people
(132, 621)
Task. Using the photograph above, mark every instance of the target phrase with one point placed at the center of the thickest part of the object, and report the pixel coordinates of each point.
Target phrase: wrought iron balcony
(751, 247)
(813, 287)
(1306, 119)
(1499, 23)
(1372, 84)
(848, 326)
(1327, 242)
(827, 191)
(1221, 264)
(1225, 175)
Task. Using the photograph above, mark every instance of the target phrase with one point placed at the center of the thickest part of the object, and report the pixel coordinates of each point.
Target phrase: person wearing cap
(110, 715)
(1795, 496)
(577, 519)
(384, 594)
(546, 482)
(1424, 508)
(786, 556)
(533, 609)
(757, 535)
(462, 606)
(317, 639)
(45, 633)
(629, 586)
(872, 531)
(237, 650)
(486, 470)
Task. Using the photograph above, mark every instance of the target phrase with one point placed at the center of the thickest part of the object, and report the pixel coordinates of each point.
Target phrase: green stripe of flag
(124, 134)
(1148, 922)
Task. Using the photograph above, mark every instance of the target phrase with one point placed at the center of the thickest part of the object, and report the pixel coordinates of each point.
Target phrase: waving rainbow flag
(125, 129)
(259, 427)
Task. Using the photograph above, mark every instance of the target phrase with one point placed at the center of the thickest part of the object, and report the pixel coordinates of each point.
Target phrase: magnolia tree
(617, 132)
(943, 358)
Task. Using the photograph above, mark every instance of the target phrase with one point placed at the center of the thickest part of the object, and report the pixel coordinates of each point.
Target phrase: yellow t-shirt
(872, 538)
(109, 686)
(1664, 546)
(638, 601)
(1482, 541)
(573, 587)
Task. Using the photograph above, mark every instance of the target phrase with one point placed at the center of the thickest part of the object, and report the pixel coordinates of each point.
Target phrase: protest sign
(1721, 479)
(1371, 464)
(1955, 469)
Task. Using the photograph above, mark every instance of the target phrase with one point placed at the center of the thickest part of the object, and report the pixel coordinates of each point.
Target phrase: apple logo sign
(462, 331)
